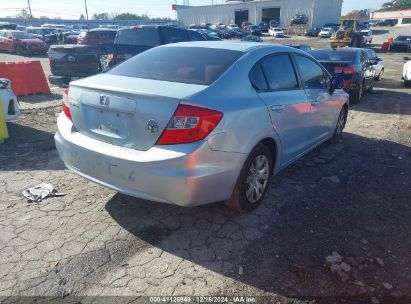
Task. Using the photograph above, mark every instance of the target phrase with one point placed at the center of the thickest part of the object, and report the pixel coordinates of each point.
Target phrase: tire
(371, 88)
(340, 125)
(379, 77)
(19, 50)
(246, 196)
(356, 95)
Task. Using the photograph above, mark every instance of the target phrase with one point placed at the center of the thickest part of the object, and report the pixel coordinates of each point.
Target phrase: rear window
(322, 55)
(179, 64)
(403, 38)
(142, 36)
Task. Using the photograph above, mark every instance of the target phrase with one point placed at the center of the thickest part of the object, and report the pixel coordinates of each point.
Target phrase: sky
(71, 9)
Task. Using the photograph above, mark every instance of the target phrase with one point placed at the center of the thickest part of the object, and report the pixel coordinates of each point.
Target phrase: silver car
(377, 63)
(199, 122)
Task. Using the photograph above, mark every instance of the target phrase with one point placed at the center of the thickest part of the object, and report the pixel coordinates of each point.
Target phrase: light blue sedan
(199, 122)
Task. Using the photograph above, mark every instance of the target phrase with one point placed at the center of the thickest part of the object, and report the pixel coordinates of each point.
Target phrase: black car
(237, 33)
(255, 30)
(401, 44)
(264, 27)
(299, 19)
(351, 64)
(274, 23)
(312, 32)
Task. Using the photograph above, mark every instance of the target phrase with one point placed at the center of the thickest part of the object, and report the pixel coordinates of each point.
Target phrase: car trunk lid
(125, 111)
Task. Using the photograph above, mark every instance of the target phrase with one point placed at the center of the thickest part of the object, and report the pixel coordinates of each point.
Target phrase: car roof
(232, 46)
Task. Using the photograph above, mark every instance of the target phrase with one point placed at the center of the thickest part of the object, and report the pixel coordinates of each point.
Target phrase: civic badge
(152, 126)
(104, 101)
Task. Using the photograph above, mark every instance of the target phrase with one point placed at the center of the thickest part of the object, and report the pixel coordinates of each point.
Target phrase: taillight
(345, 70)
(66, 108)
(350, 70)
(189, 124)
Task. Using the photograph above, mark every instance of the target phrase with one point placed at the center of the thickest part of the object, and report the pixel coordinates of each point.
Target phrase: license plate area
(110, 124)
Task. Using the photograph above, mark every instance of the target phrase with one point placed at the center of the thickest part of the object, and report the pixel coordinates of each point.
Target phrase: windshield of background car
(49, 31)
(142, 36)
(193, 65)
(322, 55)
(23, 36)
(403, 38)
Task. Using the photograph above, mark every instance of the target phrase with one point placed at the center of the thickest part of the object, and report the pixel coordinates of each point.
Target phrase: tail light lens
(345, 70)
(350, 70)
(189, 124)
(66, 108)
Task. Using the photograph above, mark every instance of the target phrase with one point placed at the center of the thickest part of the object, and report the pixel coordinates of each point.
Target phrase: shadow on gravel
(29, 149)
(385, 100)
(281, 246)
(40, 98)
(379, 32)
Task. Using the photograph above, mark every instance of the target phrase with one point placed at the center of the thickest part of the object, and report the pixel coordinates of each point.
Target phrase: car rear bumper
(60, 81)
(185, 175)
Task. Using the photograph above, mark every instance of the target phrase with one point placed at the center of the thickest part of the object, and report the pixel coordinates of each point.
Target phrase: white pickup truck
(367, 35)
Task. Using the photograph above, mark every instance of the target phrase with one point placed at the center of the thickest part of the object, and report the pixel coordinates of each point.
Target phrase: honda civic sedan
(199, 122)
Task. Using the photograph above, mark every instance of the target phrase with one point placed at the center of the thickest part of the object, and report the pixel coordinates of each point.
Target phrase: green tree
(358, 14)
(102, 16)
(126, 16)
(82, 17)
(396, 5)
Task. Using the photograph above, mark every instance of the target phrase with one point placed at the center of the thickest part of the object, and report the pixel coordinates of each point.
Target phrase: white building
(402, 17)
(319, 12)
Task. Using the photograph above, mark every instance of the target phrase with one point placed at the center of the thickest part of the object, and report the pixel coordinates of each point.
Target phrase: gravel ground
(351, 198)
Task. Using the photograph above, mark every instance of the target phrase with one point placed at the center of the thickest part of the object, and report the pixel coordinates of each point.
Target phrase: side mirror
(407, 58)
(336, 83)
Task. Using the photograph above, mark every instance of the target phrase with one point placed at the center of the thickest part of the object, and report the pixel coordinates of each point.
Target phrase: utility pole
(85, 5)
(31, 16)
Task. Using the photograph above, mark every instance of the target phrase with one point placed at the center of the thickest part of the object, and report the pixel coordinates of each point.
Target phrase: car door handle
(277, 108)
(314, 102)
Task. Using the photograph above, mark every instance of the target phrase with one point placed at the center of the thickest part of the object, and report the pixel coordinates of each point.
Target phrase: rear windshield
(179, 64)
(403, 38)
(144, 36)
(331, 55)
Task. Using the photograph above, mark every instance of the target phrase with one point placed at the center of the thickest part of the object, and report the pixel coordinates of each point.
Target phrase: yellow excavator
(347, 35)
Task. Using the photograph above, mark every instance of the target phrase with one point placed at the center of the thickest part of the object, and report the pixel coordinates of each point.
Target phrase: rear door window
(257, 78)
(311, 73)
(192, 65)
(279, 72)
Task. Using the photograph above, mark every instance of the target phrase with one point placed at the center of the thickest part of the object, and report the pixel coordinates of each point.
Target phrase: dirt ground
(334, 228)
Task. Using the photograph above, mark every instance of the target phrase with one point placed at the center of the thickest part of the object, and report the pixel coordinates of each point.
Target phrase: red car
(97, 36)
(21, 43)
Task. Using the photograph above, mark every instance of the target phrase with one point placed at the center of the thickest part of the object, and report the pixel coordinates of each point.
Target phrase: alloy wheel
(257, 178)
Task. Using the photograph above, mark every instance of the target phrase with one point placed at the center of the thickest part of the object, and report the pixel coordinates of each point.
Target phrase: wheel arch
(273, 146)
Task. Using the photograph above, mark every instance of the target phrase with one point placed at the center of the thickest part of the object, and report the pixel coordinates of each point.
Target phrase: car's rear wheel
(252, 184)
(371, 88)
(339, 127)
(356, 95)
(19, 50)
(379, 76)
